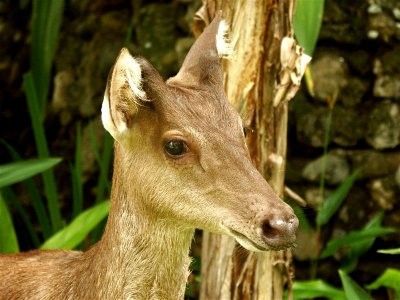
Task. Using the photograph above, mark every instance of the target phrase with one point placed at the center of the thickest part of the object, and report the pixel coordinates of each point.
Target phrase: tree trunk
(258, 82)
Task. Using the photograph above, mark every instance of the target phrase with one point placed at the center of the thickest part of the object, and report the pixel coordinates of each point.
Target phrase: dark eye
(175, 148)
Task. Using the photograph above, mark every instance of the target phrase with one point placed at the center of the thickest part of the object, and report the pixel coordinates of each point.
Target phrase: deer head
(181, 152)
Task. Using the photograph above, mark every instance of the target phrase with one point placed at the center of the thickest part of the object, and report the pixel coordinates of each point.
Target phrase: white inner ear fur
(224, 47)
(126, 70)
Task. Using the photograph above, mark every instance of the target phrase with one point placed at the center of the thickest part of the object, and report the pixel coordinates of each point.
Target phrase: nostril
(278, 228)
(270, 231)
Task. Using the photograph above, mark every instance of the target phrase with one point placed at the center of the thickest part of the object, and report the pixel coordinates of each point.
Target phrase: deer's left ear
(123, 96)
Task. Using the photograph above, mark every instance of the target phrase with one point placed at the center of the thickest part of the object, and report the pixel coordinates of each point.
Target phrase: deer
(180, 163)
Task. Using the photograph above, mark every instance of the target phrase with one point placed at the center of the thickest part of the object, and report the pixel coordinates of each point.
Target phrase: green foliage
(8, 238)
(46, 22)
(18, 171)
(74, 234)
(354, 238)
(37, 201)
(9, 174)
(390, 251)
(356, 250)
(352, 289)
(307, 23)
(13, 200)
(76, 175)
(43, 151)
(390, 279)
(316, 289)
(334, 201)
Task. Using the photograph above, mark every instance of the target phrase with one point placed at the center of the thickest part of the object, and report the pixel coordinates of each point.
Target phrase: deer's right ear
(123, 95)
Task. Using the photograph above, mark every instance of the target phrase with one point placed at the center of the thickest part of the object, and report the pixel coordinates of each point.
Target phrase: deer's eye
(175, 148)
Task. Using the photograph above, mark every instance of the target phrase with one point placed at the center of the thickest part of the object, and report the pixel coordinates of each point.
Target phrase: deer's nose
(278, 231)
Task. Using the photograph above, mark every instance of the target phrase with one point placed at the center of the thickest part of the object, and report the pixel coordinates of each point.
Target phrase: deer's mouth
(246, 242)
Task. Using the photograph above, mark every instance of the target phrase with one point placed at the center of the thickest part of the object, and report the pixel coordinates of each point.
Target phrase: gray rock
(156, 34)
(387, 86)
(382, 25)
(383, 129)
(339, 23)
(348, 126)
(391, 61)
(353, 92)
(374, 163)
(337, 169)
(330, 74)
(311, 127)
(383, 192)
(314, 198)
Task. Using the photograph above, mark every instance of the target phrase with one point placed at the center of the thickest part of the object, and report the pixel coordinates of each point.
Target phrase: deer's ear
(123, 96)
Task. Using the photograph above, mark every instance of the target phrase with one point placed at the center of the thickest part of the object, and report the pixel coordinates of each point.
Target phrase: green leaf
(76, 175)
(307, 23)
(353, 238)
(352, 290)
(46, 22)
(335, 200)
(18, 171)
(355, 251)
(13, 200)
(316, 289)
(390, 251)
(8, 238)
(73, 234)
(390, 279)
(38, 203)
(50, 186)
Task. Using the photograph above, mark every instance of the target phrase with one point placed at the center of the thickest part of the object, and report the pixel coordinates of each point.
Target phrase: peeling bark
(259, 86)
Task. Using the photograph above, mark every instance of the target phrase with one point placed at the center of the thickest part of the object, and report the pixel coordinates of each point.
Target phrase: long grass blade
(393, 251)
(352, 290)
(33, 191)
(46, 22)
(74, 234)
(18, 171)
(355, 251)
(76, 174)
(316, 289)
(390, 278)
(42, 148)
(13, 199)
(8, 238)
(353, 238)
(335, 200)
(307, 23)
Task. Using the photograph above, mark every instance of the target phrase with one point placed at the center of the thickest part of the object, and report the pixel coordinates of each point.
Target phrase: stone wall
(356, 72)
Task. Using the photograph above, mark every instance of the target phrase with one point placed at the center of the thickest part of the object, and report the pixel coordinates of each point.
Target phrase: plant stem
(314, 261)
(325, 152)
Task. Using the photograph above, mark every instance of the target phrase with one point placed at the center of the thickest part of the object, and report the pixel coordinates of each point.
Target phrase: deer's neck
(140, 256)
